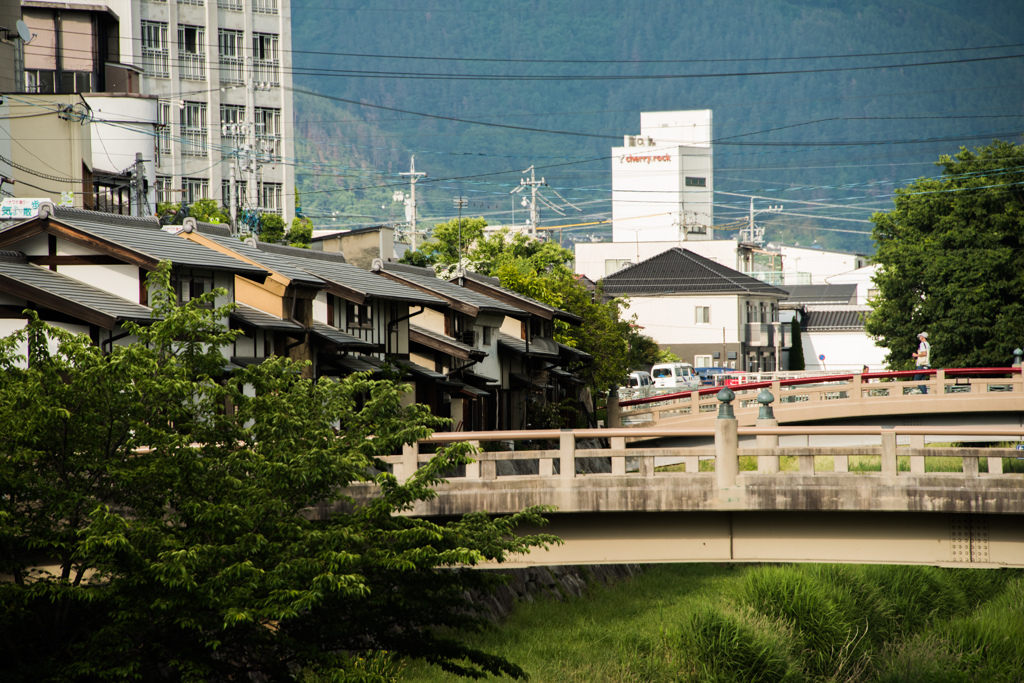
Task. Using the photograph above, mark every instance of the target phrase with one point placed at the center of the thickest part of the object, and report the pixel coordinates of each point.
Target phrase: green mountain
(813, 101)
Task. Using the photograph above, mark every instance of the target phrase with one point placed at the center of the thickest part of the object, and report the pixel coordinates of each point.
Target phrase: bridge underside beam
(940, 539)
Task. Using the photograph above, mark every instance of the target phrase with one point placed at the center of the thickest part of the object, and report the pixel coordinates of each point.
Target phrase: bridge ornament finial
(765, 398)
(1017, 355)
(726, 396)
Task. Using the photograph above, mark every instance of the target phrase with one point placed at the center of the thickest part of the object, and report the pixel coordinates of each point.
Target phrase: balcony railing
(266, 71)
(232, 70)
(155, 62)
(192, 66)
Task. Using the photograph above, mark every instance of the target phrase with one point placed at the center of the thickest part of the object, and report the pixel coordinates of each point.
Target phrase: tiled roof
(269, 260)
(441, 342)
(495, 284)
(821, 294)
(425, 277)
(263, 320)
(539, 347)
(336, 336)
(833, 319)
(144, 236)
(16, 270)
(680, 271)
(349, 276)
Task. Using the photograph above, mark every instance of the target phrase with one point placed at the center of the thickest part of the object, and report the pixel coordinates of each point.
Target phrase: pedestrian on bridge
(922, 360)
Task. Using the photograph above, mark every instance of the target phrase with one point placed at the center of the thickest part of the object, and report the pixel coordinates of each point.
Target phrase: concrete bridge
(965, 397)
(862, 498)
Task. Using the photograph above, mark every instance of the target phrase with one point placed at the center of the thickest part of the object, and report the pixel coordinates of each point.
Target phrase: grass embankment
(792, 623)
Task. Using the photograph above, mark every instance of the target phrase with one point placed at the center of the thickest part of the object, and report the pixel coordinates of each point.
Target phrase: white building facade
(663, 180)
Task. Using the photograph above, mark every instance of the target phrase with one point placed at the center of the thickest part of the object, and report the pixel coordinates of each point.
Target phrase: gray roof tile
(345, 274)
(269, 260)
(680, 271)
(425, 277)
(17, 269)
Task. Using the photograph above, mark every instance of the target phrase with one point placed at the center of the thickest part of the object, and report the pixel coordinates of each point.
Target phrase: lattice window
(192, 52)
(232, 56)
(264, 6)
(194, 133)
(266, 63)
(271, 201)
(194, 189)
(155, 54)
(268, 133)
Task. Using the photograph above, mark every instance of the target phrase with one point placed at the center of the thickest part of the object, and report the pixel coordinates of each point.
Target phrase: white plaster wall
(122, 279)
(672, 320)
(843, 351)
(860, 277)
(822, 265)
(320, 308)
(121, 127)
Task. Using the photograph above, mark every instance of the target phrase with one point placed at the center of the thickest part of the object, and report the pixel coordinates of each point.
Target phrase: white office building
(663, 179)
(221, 70)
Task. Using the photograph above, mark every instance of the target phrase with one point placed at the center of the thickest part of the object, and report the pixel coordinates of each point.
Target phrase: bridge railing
(874, 386)
(569, 454)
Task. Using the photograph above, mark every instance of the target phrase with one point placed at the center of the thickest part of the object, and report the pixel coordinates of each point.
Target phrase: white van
(674, 377)
(638, 385)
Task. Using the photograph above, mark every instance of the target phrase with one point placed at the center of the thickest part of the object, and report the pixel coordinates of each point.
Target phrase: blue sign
(821, 357)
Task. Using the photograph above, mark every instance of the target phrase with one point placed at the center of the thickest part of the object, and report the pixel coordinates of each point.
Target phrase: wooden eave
(51, 226)
(345, 292)
(507, 298)
(47, 300)
(453, 304)
(440, 345)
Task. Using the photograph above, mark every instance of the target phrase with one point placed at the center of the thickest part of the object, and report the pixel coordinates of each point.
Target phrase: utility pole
(756, 235)
(532, 183)
(139, 182)
(460, 202)
(411, 205)
(233, 200)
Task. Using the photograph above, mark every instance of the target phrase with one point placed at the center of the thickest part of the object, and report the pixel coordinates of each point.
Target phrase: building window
(194, 129)
(192, 52)
(164, 192)
(225, 193)
(163, 127)
(194, 189)
(192, 286)
(230, 4)
(40, 81)
(268, 133)
(358, 316)
(191, 2)
(232, 125)
(702, 361)
(696, 182)
(265, 64)
(264, 6)
(703, 315)
(154, 49)
(232, 56)
(614, 265)
(271, 200)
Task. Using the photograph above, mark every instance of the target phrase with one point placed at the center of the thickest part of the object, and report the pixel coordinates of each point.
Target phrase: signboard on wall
(17, 207)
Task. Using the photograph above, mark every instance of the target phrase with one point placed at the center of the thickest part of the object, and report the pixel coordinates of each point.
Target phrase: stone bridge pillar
(727, 461)
(768, 464)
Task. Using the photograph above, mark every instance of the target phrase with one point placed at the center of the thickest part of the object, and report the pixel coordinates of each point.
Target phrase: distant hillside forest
(561, 81)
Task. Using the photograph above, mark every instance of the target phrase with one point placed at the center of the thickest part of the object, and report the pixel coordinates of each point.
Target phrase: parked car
(710, 377)
(638, 385)
(674, 377)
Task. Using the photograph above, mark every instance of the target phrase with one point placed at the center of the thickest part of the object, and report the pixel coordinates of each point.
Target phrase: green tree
(952, 262)
(271, 228)
(208, 211)
(151, 533)
(446, 242)
(301, 233)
